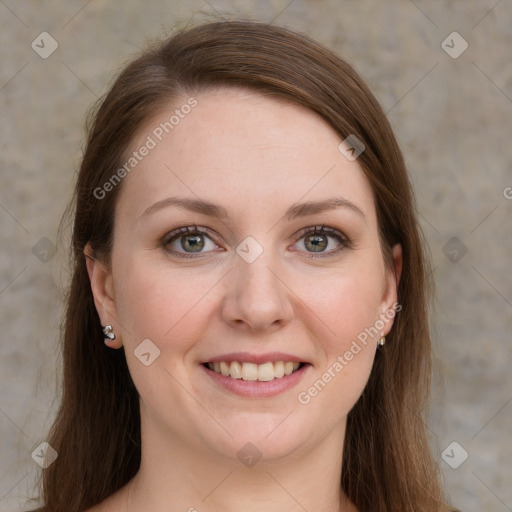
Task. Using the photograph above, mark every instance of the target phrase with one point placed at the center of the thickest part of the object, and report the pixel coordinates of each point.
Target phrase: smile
(254, 372)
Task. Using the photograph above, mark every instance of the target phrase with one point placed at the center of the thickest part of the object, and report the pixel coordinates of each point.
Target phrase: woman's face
(259, 282)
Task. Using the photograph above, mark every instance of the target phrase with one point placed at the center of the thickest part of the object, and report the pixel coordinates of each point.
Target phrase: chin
(269, 436)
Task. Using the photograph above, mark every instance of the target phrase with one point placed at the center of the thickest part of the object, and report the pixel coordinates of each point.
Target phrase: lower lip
(256, 388)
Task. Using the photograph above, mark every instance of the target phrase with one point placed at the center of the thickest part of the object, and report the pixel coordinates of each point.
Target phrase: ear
(389, 304)
(102, 286)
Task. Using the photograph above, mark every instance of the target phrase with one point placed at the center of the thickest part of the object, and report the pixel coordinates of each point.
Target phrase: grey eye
(193, 242)
(188, 240)
(316, 243)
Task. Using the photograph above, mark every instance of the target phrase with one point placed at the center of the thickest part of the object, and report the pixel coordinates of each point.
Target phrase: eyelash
(345, 242)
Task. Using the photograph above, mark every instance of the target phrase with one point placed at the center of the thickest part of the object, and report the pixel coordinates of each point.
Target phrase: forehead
(237, 148)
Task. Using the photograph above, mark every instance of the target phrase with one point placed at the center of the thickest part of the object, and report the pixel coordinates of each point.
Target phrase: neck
(177, 476)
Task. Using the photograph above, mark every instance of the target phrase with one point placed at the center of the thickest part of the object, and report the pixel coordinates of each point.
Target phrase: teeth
(278, 369)
(250, 371)
(266, 372)
(224, 369)
(235, 370)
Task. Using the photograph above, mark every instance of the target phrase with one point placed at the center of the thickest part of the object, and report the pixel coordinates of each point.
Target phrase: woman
(247, 320)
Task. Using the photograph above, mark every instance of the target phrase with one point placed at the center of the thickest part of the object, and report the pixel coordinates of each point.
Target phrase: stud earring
(382, 341)
(107, 333)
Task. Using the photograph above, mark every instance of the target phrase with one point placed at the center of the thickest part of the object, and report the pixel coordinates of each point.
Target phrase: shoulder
(105, 506)
(114, 503)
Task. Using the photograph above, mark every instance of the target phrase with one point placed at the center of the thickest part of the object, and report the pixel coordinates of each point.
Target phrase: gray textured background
(452, 117)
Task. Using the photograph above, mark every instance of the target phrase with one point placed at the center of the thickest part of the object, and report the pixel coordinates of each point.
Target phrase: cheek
(353, 309)
(171, 310)
(348, 302)
(154, 303)
(348, 305)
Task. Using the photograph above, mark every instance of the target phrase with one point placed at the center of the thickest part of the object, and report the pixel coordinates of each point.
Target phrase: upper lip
(246, 357)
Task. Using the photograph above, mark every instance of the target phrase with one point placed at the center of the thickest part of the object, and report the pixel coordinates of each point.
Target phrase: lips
(249, 371)
(266, 367)
(244, 366)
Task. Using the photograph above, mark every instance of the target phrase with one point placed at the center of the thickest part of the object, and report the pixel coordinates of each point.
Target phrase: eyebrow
(214, 210)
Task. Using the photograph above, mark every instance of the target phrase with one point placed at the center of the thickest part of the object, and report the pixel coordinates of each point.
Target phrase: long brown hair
(387, 464)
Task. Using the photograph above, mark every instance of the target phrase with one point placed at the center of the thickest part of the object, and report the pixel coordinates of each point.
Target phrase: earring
(382, 341)
(107, 332)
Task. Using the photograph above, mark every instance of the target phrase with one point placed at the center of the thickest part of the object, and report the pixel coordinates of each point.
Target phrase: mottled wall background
(451, 108)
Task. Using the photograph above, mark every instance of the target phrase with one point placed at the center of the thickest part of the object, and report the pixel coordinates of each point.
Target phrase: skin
(256, 157)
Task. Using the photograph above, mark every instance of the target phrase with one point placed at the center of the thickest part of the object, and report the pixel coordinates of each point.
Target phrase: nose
(257, 298)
